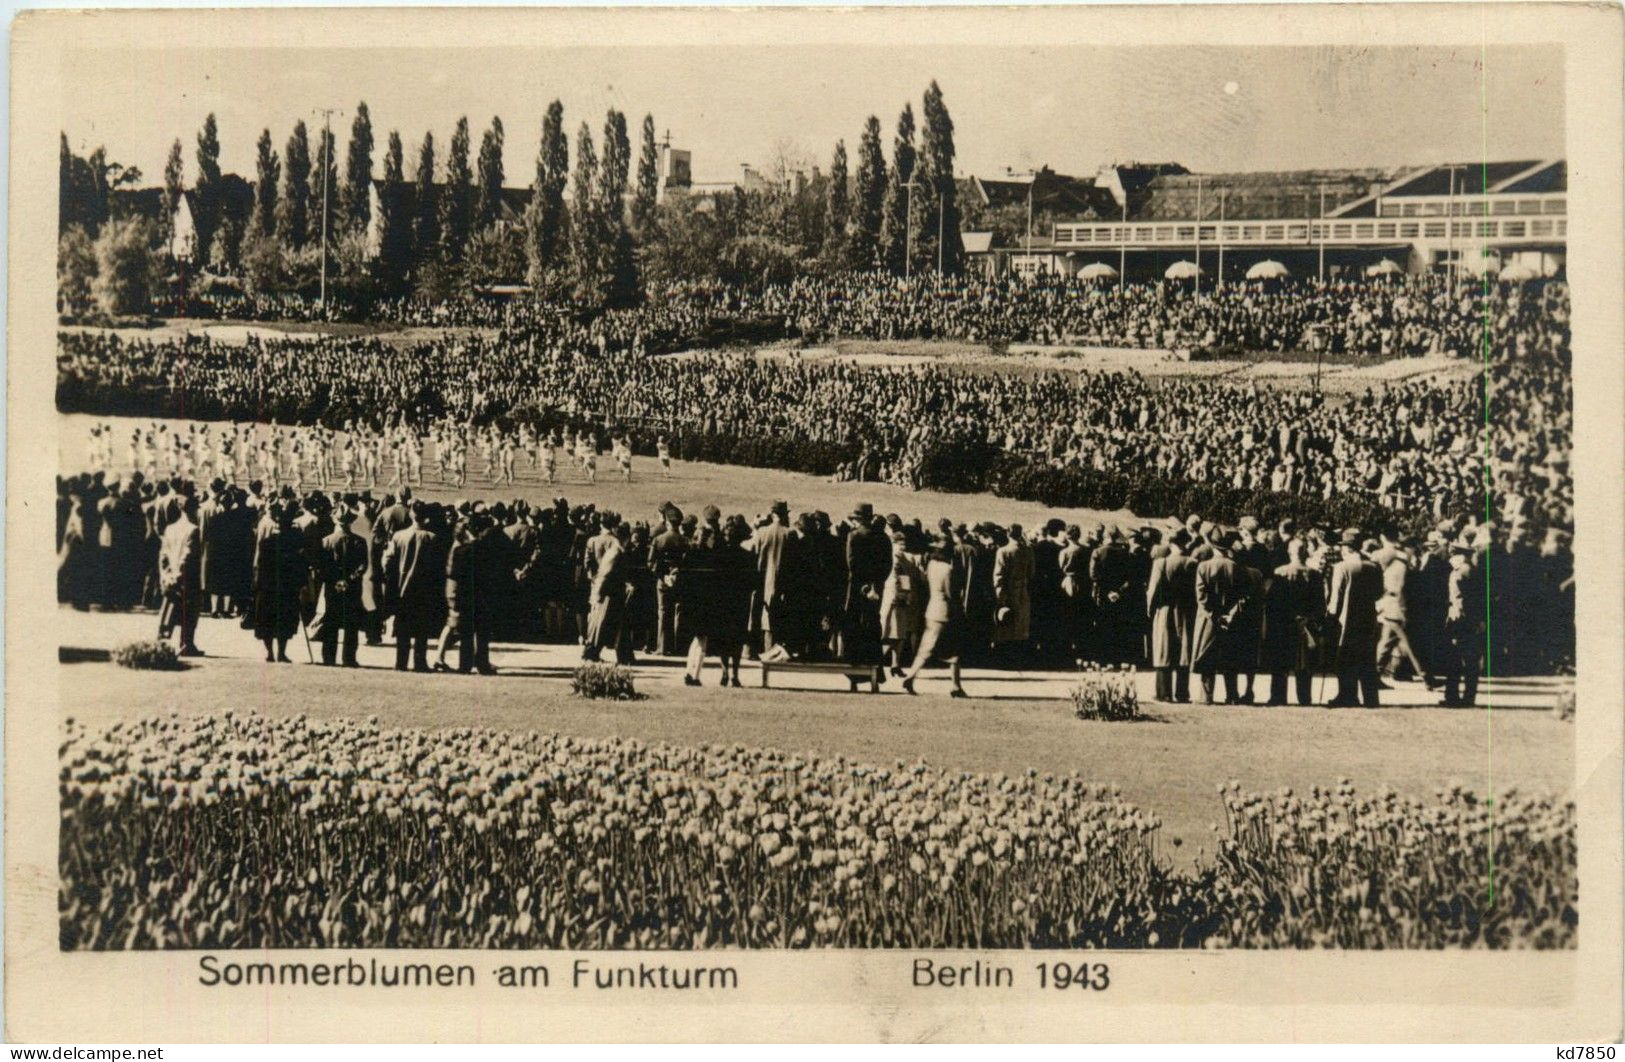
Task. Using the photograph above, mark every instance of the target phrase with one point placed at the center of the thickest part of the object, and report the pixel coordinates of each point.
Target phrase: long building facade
(1507, 218)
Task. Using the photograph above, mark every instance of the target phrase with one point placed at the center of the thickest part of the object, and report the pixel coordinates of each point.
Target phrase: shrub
(148, 656)
(603, 682)
(1106, 693)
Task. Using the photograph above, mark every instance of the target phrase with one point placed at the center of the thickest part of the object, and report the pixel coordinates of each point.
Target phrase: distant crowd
(1424, 445)
(1206, 606)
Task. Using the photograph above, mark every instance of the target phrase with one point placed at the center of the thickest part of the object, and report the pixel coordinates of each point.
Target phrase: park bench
(851, 671)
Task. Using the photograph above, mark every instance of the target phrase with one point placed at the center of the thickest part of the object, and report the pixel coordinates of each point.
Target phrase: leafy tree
(174, 176)
(869, 200)
(75, 271)
(356, 204)
(936, 205)
(643, 204)
(228, 243)
(837, 206)
(426, 205)
(454, 199)
(488, 199)
(267, 171)
(263, 265)
(206, 195)
(894, 213)
(127, 271)
(293, 208)
(496, 255)
(545, 217)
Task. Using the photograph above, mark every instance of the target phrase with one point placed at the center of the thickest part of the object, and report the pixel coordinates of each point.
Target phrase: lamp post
(1197, 230)
(1450, 222)
(1122, 247)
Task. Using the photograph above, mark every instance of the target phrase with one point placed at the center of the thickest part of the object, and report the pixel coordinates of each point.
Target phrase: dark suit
(341, 567)
(1294, 605)
(1221, 594)
(868, 563)
(179, 576)
(414, 584)
(666, 553)
(1353, 592)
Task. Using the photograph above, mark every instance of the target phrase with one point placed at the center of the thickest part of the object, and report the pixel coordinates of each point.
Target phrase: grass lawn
(1170, 764)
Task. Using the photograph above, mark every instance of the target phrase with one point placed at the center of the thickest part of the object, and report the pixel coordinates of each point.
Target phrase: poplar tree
(836, 204)
(614, 171)
(488, 201)
(643, 203)
(324, 192)
(267, 172)
(394, 216)
(174, 178)
(206, 190)
(455, 206)
(293, 207)
(425, 206)
(545, 217)
(356, 206)
(894, 213)
(586, 231)
(936, 206)
(869, 199)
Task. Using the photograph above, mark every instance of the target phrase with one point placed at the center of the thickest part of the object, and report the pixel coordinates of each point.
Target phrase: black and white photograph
(666, 503)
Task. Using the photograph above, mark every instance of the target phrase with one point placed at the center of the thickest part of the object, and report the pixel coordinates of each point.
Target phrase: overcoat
(1352, 596)
(1221, 589)
(1171, 604)
(1012, 590)
(1294, 603)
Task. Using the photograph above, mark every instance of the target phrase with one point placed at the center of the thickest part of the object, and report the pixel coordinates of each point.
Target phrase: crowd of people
(1423, 445)
(1386, 318)
(1187, 598)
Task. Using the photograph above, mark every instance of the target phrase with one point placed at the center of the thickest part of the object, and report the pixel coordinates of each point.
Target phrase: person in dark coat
(1464, 629)
(1294, 607)
(491, 581)
(666, 551)
(1171, 606)
(737, 576)
(1117, 606)
(1221, 594)
(973, 555)
(1050, 635)
(1077, 602)
(1352, 594)
(868, 563)
(280, 570)
(414, 584)
(774, 549)
(608, 594)
(342, 570)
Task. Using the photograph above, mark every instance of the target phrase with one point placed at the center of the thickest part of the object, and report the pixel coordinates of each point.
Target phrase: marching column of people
(1206, 607)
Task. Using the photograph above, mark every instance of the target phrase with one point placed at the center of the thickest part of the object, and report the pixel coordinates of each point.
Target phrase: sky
(1073, 108)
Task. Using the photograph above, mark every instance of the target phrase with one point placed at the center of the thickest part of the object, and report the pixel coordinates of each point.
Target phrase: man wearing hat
(868, 563)
(1117, 606)
(1464, 628)
(341, 565)
(179, 577)
(1221, 595)
(773, 547)
(1352, 594)
(665, 563)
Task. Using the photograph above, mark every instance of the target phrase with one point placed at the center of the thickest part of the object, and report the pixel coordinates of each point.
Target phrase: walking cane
(309, 655)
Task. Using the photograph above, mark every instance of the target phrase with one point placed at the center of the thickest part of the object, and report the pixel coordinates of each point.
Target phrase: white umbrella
(1097, 271)
(1182, 270)
(1385, 268)
(1268, 269)
(1480, 263)
(1518, 271)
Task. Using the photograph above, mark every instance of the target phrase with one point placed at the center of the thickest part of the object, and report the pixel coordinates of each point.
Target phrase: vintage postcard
(882, 524)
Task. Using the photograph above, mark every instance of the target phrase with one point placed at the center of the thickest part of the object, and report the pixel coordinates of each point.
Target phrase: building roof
(1471, 178)
(1257, 195)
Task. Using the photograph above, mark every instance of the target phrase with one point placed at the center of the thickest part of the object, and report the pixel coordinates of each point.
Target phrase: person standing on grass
(1221, 590)
(868, 562)
(1293, 612)
(180, 577)
(1351, 599)
(280, 571)
(342, 567)
(1171, 606)
(607, 597)
(944, 616)
(773, 547)
(414, 581)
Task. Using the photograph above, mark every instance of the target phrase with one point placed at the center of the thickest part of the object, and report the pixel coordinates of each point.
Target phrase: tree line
(593, 228)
